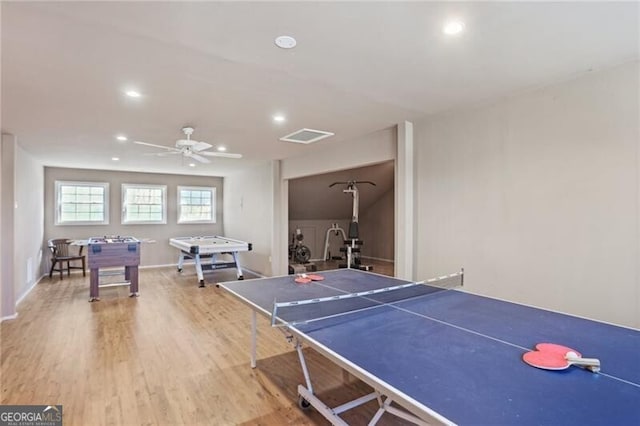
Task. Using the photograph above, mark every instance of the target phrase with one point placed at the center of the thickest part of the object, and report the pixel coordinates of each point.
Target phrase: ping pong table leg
(303, 364)
(320, 406)
(253, 338)
(385, 406)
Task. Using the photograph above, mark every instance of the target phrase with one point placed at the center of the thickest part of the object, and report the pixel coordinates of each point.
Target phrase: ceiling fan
(190, 148)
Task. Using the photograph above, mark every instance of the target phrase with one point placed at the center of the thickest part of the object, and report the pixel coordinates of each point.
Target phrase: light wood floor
(177, 355)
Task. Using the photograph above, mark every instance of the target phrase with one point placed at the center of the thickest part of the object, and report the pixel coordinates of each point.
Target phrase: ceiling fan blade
(200, 158)
(161, 154)
(199, 146)
(168, 148)
(222, 154)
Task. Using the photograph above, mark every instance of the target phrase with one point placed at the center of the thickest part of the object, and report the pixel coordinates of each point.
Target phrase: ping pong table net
(342, 304)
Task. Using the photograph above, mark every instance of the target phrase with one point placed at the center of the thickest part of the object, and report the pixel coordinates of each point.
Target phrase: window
(196, 204)
(82, 203)
(144, 203)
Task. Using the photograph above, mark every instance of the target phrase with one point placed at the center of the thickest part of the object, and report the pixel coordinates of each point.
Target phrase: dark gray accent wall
(377, 227)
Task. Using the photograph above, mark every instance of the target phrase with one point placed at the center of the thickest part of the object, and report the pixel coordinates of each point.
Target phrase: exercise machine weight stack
(299, 255)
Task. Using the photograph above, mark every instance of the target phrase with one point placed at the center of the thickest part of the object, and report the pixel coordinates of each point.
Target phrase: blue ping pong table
(450, 355)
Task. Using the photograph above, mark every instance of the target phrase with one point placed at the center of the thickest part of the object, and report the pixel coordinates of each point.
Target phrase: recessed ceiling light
(115, 159)
(192, 164)
(453, 27)
(222, 148)
(121, 138)
(286, 42)
(132, 93)
(278, 118)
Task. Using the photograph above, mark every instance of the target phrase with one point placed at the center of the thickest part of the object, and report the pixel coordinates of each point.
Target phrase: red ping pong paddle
(315, 277)
(550, 356)
(307, 278)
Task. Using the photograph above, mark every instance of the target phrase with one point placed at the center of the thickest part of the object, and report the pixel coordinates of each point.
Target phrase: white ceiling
(358, 67)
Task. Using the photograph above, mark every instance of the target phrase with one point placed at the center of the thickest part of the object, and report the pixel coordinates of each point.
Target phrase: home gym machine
(353, 243)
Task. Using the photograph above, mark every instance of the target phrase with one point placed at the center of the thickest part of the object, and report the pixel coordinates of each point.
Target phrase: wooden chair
(60, 254)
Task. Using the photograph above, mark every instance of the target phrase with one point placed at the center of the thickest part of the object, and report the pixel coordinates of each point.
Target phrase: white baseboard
(77, 271)
(9, 317)
(377, 258)
(253, 272)
(26, 293)
(362, 257)
(175, 265)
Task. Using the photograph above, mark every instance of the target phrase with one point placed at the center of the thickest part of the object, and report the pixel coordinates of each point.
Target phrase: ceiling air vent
(306, 136)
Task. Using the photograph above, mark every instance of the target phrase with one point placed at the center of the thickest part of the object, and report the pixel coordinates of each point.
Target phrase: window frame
(58, 203)
(211, 189)
(123, 204)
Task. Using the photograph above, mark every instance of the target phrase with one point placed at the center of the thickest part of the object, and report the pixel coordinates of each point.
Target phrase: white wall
(22, 223)
(7, 167)
(249, 212)
(537, 196)
(28, 221)
(2, 195)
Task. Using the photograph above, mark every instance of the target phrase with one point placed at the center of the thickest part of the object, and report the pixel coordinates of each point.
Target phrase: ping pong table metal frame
(413, 412)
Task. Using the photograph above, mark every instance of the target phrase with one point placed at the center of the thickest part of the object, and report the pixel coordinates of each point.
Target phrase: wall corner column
(404, 201)
(7, 198)
(280, 228)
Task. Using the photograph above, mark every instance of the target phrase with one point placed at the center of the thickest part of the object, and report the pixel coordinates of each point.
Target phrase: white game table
(209, 247)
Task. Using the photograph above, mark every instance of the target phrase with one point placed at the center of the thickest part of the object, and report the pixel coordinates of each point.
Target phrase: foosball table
(114, 251)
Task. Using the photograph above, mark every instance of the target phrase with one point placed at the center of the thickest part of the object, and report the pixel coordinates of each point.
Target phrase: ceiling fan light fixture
(222, 148)
(121, 138)
(192, 149)
(192, 164)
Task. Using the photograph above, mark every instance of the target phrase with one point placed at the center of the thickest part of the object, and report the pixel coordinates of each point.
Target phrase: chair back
(59, 247)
